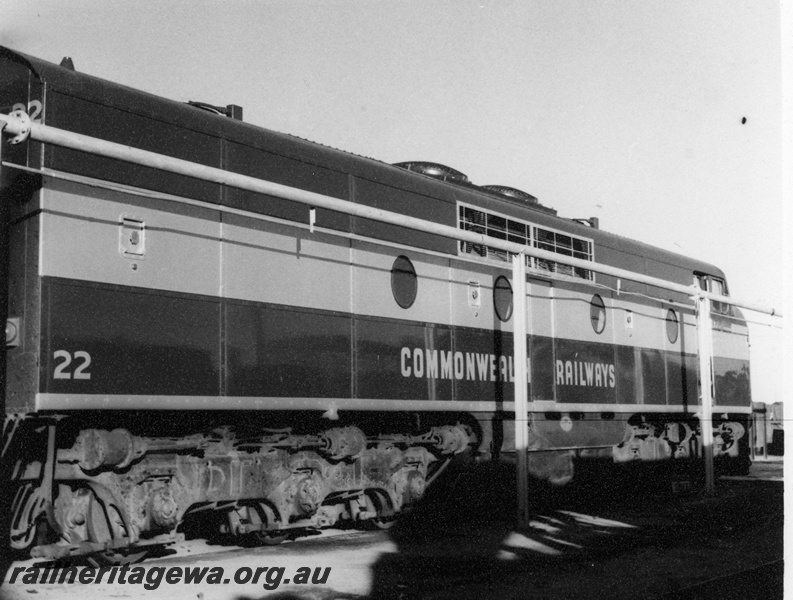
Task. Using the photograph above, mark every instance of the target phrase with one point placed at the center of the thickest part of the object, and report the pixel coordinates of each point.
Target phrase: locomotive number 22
(79, 372)
(33, 109)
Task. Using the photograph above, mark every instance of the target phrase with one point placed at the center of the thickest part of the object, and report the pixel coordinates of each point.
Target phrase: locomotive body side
(192, 347)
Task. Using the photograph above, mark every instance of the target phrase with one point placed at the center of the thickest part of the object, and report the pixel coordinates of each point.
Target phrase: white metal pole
(521, 386)
(765, 432)
(752, 435)
(705, 343)
(13, 125)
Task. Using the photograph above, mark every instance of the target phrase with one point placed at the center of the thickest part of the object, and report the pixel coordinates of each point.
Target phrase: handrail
(18, 125)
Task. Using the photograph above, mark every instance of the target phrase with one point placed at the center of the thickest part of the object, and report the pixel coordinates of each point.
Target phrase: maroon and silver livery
(182, 354)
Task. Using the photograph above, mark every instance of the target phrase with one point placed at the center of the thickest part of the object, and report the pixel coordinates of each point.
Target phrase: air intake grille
(521, 232)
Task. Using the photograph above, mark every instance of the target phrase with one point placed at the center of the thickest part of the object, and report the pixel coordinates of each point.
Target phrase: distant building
(768, 435)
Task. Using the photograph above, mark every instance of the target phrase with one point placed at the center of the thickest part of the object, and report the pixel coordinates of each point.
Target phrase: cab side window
(714, 285)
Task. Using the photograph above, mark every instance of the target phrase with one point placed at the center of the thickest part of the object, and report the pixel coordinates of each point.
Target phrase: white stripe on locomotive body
(730, 338)
(464, 276)
(265, 261)
(279, 264)
(54, 402)
(572, 318)
(196, 251)
(184, 255)
(541, 307)
(637, 321)
(372, 295)
(80, 240)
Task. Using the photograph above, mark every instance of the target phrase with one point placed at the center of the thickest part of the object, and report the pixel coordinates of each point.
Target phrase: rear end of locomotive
(170, 367)
(180, 354)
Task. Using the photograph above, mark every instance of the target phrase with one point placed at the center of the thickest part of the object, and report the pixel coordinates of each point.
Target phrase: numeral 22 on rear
(82, 360)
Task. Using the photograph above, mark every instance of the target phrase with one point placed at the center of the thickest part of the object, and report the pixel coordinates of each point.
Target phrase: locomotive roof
(94, 89)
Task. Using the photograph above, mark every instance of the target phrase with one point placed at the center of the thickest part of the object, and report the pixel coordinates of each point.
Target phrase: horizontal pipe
(15, 125)
(59, 402)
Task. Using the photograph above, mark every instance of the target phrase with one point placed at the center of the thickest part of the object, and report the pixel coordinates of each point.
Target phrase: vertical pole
(705, 342)
(765, 433)
(752, 435)
(521, 387)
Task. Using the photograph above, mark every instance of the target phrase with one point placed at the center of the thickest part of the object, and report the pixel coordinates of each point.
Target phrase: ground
(626, 545)
(642, 540)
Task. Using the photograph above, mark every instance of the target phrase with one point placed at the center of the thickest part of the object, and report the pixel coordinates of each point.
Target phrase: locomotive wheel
(256, 516)
(27, 508)
(379, 503)
(105, 523)
(265, 514)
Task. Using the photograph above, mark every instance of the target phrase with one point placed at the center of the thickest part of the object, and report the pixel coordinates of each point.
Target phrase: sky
(663, 118)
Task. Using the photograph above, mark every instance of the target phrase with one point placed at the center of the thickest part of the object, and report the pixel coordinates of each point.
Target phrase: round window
(502, 298)
(672, 326)
(597, 313)
(404, 284)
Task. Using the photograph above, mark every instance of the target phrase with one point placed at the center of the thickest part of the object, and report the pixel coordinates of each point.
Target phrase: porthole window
(404, 283)
(502, 298)
(672, 326)
(597, 313)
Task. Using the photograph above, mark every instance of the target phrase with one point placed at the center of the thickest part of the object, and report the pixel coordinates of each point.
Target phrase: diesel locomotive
(181, 351)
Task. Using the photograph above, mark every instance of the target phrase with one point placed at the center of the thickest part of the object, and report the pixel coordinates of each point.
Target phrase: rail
(19, 126)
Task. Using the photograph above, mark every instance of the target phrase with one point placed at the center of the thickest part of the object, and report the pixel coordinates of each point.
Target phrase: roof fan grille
(511, 192)
(434, 170)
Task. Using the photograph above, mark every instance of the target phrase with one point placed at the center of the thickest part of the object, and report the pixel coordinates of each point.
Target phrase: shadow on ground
(462, 540)
(464, 534)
